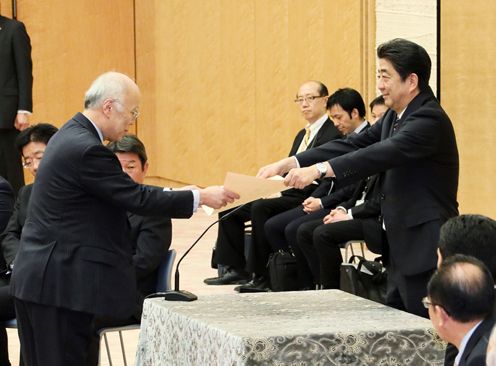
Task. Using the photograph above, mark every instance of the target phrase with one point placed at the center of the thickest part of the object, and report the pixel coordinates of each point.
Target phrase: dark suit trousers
(406, 292)
(10, 159)
(261, 211)
(229, 248)
(321, 247)
(7, 312)
(281, 229)
(52, 336)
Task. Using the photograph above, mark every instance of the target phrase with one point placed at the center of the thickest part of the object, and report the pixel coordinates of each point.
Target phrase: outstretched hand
(217, 196)
(301, 177)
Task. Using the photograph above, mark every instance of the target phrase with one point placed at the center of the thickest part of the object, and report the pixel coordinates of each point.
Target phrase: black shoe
(230, 277)
(257, 284)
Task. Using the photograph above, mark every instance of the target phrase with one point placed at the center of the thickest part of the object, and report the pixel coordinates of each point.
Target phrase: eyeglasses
(426, 302)
(308, 99)
(134, 112)
(29, 161)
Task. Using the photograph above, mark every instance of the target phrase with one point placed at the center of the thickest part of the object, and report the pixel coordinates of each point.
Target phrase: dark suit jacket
(327, 132)
(151, 238)
(76, 247)
(475, 350)
(6, 202)
(420, 179)
(16, 78)
(11, 236)
(327, 186)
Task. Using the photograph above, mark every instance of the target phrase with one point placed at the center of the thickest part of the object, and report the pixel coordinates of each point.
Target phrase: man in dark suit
(471, 235)
(311, 99)
(347, 111)
(6, 207)
(414, 148)
(75, 257)
(460, 302)
(31, 143)
(150, 235)
(357, 218)
(16, 82)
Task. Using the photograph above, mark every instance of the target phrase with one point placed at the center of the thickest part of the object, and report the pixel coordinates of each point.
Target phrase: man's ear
(442, 316)
(413, 81)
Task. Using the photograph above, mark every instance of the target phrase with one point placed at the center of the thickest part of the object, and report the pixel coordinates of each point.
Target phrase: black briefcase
(364, 278)
(283, 271)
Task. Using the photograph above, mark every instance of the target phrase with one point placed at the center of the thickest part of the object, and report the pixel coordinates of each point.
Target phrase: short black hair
(473, 235)
(407, 57)
(348, 99)
(464, 287)
(41, 132)
(130, 144)
(377, 101)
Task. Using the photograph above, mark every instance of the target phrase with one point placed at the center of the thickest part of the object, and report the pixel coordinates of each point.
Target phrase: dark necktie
(396, 126)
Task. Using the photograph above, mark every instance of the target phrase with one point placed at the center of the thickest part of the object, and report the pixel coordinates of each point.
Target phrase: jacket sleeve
(24, 67)
(153, 242)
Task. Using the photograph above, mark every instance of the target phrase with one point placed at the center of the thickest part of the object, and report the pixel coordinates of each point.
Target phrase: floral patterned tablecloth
(284, 328)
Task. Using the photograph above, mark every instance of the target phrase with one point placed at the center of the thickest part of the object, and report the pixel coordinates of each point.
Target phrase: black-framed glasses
(308, 99)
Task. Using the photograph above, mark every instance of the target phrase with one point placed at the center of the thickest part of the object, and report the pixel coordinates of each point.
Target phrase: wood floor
(194, 268)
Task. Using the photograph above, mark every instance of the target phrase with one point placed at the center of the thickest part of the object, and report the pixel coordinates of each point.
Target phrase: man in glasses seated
(460, 301)
(31, 144)
(311, 99)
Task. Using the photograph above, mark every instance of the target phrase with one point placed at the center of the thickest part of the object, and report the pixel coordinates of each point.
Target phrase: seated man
(318, 241)
(151, 236)
(31, 144)
(347, 111)
(460, 300)
(311, 99)
(471, 235)
(377, 109)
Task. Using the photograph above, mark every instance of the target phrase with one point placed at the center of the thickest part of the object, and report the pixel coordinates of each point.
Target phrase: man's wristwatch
(322, 169)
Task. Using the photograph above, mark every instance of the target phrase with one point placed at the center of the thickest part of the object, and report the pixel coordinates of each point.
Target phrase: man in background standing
(16, 83)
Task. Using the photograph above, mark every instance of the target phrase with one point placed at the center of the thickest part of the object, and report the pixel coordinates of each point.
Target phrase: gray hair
(110, 85)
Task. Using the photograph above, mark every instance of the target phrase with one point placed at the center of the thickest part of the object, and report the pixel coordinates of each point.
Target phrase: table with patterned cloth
(284, 328)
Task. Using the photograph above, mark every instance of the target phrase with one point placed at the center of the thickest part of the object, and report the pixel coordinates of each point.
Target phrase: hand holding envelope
(249, 189)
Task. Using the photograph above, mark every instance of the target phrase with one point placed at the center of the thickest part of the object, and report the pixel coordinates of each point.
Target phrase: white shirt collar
(96, 128)
(402, 112)
(361, 127)
(315, 127)
(464, 342)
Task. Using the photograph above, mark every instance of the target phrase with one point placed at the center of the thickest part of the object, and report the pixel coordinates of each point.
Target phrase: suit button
(382, 196)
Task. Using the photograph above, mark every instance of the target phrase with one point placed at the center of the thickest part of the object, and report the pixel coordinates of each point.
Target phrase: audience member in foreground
(472, 235)
(75, 261)
(460, 300)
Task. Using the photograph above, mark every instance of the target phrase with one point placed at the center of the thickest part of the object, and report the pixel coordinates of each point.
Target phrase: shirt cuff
(22, 111)
(297, 162)
(196, 199)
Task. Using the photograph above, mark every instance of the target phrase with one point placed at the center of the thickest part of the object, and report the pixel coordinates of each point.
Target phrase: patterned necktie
(305, 141)
(396, 126)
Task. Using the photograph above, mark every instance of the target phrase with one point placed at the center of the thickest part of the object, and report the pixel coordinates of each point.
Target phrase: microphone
(182, 295)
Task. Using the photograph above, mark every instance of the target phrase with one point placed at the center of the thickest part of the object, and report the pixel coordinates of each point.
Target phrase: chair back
(164, 272)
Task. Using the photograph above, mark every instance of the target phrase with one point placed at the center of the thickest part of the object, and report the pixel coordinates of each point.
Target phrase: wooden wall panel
(72, 43)
(218, 77)
(468, 86)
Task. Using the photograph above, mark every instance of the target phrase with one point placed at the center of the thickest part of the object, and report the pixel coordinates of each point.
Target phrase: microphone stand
(182, 295)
